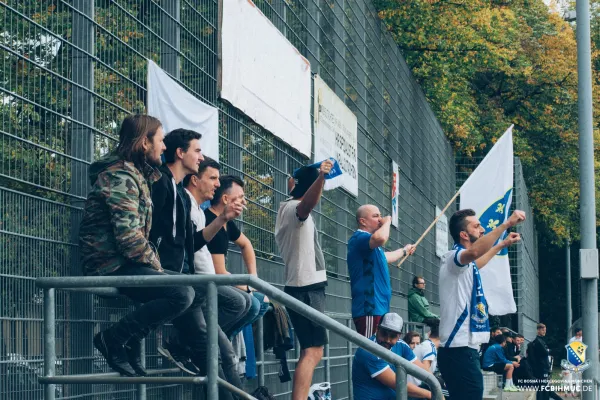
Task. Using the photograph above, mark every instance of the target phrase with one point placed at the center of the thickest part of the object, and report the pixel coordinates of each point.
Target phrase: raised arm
(485, 243)
(511, 239)
(313, 194)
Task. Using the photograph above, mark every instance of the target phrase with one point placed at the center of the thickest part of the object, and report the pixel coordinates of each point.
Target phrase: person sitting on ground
(494, 360)
(374, 378)
(231, 188)
(418, 306)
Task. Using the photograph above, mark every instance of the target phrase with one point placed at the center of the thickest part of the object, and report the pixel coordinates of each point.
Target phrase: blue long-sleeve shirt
(493, 355)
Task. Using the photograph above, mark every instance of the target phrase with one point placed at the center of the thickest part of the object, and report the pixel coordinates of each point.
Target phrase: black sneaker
(133, 348)
(175, 354)
(114, 353)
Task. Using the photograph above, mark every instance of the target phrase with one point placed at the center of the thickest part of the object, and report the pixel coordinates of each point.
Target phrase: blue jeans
(258, 308)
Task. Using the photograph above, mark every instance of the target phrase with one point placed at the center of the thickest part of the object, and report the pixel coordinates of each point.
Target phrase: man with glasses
(368, 267)
(374, 378)
(418, 306)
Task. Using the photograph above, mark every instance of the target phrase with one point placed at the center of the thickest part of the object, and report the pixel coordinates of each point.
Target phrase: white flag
(488, 191)
(177, 108)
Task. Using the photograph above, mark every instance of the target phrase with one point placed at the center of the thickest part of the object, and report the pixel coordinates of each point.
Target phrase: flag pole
(431, 226)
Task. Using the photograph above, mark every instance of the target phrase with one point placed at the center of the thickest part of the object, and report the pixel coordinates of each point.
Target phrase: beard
(472, 238)
(153, 162)
(385, 344)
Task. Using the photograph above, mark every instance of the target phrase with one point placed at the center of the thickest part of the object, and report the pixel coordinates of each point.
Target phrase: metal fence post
(327, 361)
(401, 390)
(260, 354)
(141, 388)
(171, 34)
(212, 363)
(349, 347)
(79, 353)
(49, 340)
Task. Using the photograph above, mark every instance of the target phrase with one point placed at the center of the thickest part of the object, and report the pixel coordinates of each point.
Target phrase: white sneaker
(511, 388)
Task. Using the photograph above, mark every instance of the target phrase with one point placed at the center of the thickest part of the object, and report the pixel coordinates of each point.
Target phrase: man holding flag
(479, 232)
(464, 323)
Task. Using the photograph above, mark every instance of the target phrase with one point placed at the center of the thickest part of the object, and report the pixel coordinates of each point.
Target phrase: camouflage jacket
(117, 218)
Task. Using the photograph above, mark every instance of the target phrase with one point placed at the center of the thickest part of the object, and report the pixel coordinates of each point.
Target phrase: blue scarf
(479, 319)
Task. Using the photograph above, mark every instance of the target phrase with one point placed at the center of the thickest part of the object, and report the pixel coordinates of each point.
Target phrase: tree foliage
(484, 65)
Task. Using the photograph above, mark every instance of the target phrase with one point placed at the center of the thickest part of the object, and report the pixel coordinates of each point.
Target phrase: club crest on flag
(495, 215)
(575, 357)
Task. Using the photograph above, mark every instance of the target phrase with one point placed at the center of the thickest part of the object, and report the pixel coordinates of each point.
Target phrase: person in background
(484, 346)
(374, 378)
(538, 355)
(519, 340)
(426, 352)
(494, 360)
(418, 306)
(510, 348)
(578, 336)
(368, 267)
(412, 339)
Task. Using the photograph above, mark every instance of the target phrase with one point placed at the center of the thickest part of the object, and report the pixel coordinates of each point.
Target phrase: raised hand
(326, 167)
(516, 218)
(511, 239)
(233, 210)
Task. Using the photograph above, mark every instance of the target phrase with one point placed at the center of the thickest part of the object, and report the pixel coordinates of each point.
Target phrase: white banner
(264, 75)
(488, 191)
(441, 233)
(395, 195)
(176, 108)
(335, 136)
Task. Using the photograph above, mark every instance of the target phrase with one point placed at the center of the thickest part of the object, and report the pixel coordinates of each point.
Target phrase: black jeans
(182, 305)
(461, 371)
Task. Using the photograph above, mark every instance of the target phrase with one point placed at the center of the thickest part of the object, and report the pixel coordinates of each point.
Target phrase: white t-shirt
(425, 351)
(299, 246)
(203, 263)
(575, 339)
(456, 287)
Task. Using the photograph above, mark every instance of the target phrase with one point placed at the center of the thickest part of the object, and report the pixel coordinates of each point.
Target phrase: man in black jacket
(175, 237)
(510, 350)
(537, 354)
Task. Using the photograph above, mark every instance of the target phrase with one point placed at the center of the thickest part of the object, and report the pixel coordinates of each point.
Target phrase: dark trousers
(181, 305)
(461, 371)
(543, 392)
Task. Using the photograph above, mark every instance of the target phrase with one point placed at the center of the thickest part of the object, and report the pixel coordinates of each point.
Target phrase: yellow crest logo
(575, 357)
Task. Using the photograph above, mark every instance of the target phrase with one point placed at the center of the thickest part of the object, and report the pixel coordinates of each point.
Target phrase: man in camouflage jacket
(118, 217)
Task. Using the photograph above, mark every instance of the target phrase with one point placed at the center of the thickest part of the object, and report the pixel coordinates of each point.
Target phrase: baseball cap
(303, 179)
(392, 322)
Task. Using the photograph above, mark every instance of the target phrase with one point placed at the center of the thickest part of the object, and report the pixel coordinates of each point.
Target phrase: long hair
(134, 129)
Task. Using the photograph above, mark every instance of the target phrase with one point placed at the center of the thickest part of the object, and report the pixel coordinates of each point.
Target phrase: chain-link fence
(71, 70)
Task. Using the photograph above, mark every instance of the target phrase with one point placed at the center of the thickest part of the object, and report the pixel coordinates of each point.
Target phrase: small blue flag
(336, 170)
